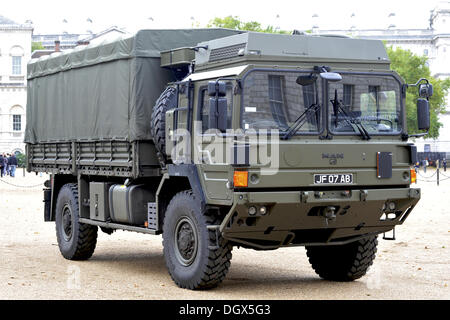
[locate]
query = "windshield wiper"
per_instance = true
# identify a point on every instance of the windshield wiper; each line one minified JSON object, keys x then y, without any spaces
{"x":337,"y":106}
{"x":300,"y":121}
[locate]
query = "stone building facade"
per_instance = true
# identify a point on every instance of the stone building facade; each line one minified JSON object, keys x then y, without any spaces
{"x":15,"y":52}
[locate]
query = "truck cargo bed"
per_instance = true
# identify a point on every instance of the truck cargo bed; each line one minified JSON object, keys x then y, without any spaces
{"x":104,"y":158}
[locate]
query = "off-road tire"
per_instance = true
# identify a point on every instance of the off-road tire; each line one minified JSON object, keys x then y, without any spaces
{"x":80,"y":245}
{"x":166,"y":101}
{"x":346,"y":262}
{"x":210,"y":265}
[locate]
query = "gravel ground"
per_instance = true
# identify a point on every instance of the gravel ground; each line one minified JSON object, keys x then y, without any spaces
{"x":128,"y":265}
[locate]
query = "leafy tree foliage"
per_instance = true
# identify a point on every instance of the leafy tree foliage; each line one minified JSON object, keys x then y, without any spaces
{"x":36,"y":46}
{"x":234,"y":22}
{"x":21,"y":158}
{"x":411,"y":68}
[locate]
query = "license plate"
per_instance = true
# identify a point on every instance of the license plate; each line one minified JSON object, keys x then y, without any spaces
{"x":341,"y":178}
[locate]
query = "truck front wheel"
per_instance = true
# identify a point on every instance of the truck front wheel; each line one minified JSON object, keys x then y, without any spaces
{"x":196,"y":256}
{"x":76,"y":240}
{"x":346,"y":262}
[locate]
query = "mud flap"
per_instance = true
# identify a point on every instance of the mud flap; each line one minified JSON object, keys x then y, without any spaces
{"x":47,"y":204}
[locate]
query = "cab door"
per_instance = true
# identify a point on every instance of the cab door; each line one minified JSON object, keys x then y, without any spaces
{"x":210,"y":148}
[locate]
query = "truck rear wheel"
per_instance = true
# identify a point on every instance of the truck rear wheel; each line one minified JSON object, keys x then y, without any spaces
{"x":196,"y":257}
{"x":167,"y":101}
{"x":346,"y":262}
{"x":76,"y":240}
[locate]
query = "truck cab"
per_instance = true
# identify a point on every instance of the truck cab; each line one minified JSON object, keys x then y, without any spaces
{"x":303,"y":138}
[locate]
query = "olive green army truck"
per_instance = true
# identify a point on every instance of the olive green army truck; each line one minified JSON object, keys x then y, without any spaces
{"x":217,"y":138}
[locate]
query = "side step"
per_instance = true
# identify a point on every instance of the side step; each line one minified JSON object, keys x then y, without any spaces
{"x":119,"y":226}
{"x":385,"y":237}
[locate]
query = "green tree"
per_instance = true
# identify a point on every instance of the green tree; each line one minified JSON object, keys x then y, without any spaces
{"x":234,"y":22}
{"x":21,"y":158}
{"x":411,"y":68}
{"x":36,"y":46}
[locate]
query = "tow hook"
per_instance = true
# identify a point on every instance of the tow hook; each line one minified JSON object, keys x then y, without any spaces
{"x":329,"y":213}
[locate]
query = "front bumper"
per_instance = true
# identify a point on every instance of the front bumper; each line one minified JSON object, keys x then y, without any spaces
{"x":300,"y":218}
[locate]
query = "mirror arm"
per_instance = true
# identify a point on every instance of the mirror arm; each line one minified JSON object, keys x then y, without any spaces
{"x":406,"y":86}
{"x":321,"y":69}
{"x":417,"y":83}
{"x":418,"y":135}
{"x":197,"y":48}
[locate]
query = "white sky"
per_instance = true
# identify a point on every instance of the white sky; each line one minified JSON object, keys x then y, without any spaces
{"x":47,"y":15}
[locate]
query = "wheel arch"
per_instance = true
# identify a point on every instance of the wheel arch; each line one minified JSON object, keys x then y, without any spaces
{"x":57,"y":182}
{"x":178,"y":178}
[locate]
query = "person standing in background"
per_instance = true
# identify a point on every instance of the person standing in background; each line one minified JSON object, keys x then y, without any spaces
{"x":1,"y":165}
{"x":5,"y":164}
{"x":12,"y":165}
{"x":425,"y":165}
{"x":444,"y":164}
{"x":8,"y":167}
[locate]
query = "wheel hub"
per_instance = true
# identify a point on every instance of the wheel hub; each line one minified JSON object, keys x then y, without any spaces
{"x":67,"y":223}
{"x":185,"y":241}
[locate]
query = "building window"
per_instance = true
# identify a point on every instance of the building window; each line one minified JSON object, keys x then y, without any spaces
{"x":348,"y":95}
{"x":373,"y":101}
{"x":17,"y":122}
{"x":308,"y":95}
{"x":276,"y":99}
{"x":16,"y":65}
{"x":309,"y":99}
{"x":425,"y":52}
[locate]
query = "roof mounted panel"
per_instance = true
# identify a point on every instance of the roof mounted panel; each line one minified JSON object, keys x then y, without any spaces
{"x":302,"y":47}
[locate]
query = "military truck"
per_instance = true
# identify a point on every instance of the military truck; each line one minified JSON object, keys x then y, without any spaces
{"x":218,"y":138}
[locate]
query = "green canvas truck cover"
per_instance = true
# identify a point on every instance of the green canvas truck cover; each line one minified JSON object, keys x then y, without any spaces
{"x":105,"y":91}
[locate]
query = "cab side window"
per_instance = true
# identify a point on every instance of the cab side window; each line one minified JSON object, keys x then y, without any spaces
{"x":204,"y":107}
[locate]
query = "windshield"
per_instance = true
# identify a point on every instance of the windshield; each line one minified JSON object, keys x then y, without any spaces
{"x":372,"y":102}
{"x":274,"y":100}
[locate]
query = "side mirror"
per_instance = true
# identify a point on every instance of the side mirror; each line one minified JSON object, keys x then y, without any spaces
{"x":218,"y":116}
{"x":219,"y":88}
{"x":331,"y":76}
{"x":423,"y":114}
{"x":426,"y":90}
